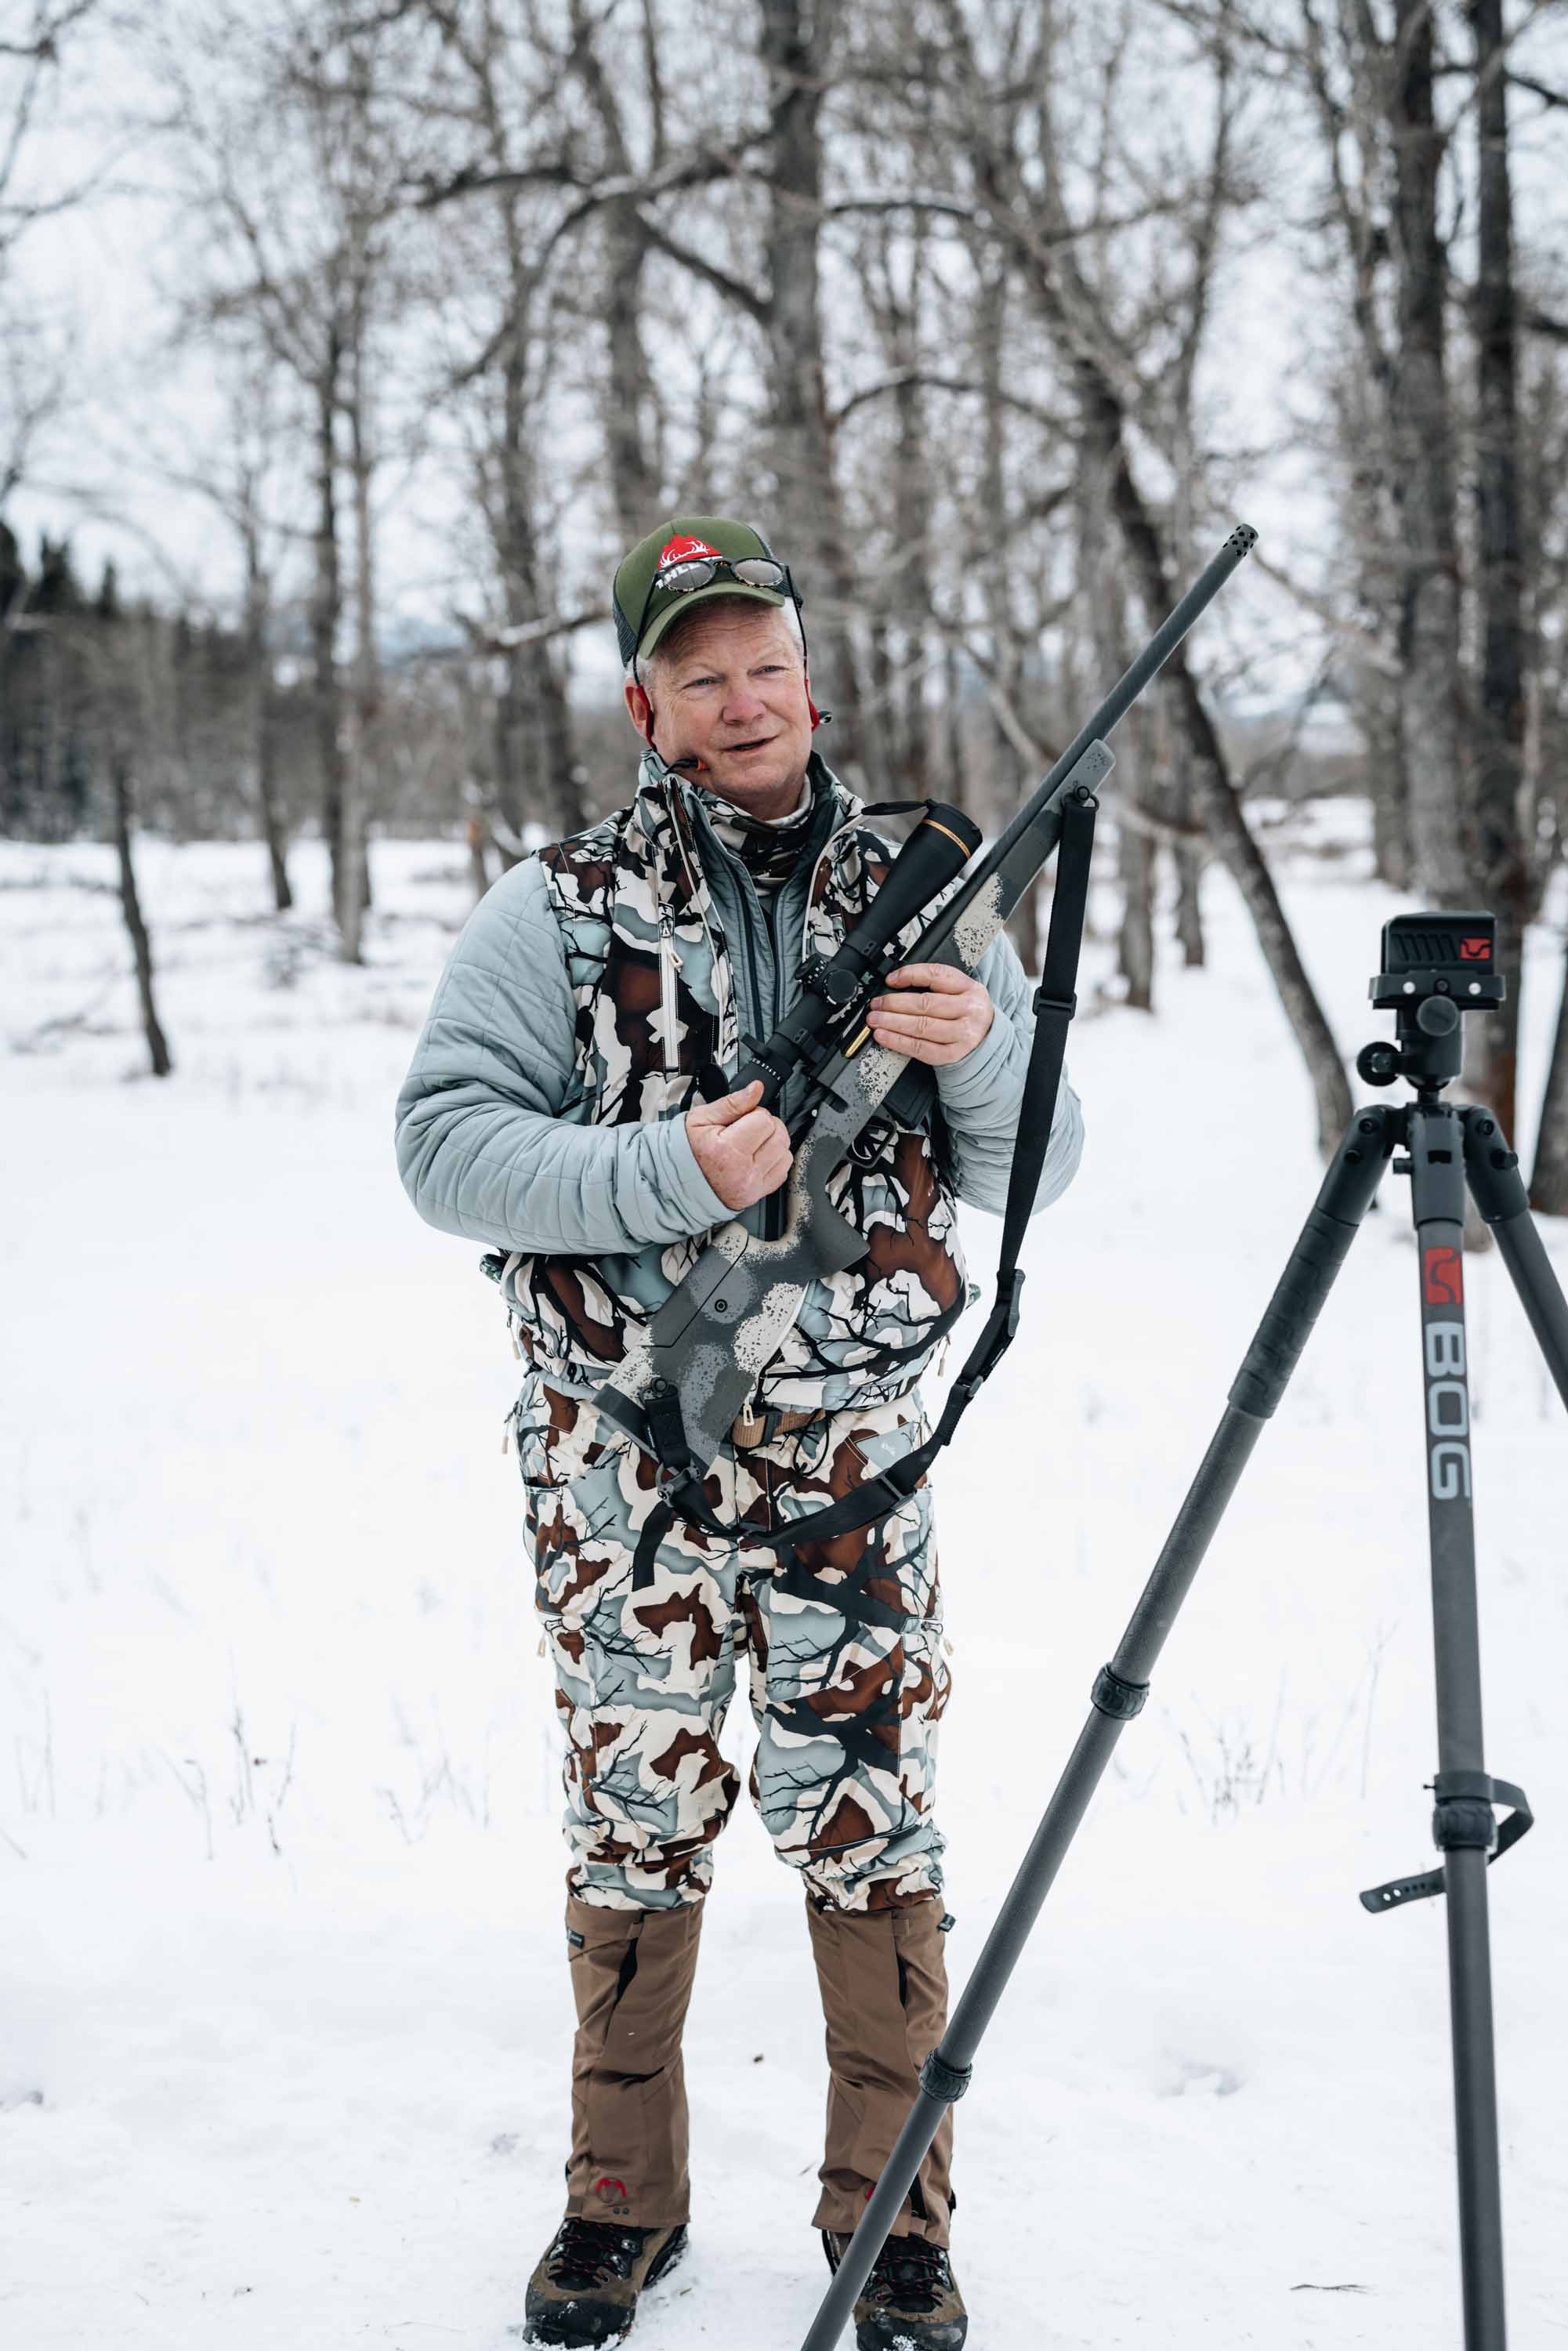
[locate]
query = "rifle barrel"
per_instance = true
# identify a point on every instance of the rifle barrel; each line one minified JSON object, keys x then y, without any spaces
{"x":1132,"y":681}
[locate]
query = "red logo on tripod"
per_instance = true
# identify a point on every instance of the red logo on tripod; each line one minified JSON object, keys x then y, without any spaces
{"x":1443,"y":1277}
{"x":1475,"y":951}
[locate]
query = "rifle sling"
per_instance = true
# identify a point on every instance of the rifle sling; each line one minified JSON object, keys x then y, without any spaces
{"x":1055,"y":1003}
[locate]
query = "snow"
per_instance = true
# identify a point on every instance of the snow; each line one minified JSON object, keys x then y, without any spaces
{"x":286,"y":2021}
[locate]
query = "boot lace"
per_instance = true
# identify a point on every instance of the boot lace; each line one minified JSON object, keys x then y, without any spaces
{"x":910,"y":2275}
{"x":586,"y":2253}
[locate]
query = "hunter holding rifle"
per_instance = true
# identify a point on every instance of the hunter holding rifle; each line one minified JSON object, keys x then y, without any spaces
{"x":569,"y":1106}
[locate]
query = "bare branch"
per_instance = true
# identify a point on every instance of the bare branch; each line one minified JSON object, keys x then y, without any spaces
{"x":918,"y":378}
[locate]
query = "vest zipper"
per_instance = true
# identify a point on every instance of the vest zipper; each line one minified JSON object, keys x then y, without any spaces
{"x":667,"y":993}
{"x":723,"y":980}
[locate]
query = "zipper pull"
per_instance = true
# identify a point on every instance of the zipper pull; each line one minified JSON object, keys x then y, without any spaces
{"x":667,"y":1012}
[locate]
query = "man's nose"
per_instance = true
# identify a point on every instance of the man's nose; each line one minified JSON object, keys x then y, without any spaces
{"x":742,"y":702}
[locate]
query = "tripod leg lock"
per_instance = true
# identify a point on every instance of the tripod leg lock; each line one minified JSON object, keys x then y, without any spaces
{"x":940,"y":2080}
{"x":1463,"y":1815}
{"x":1120,"y":1699}
{"x":1461,"y":1820}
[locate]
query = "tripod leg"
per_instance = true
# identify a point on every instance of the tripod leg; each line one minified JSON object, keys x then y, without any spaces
{"x":1464,"y":1828}
{"x":1121,"y":1687}
{"x":1497,"y":1188}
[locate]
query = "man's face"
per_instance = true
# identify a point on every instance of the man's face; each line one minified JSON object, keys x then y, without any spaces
{"x":733,"y":697}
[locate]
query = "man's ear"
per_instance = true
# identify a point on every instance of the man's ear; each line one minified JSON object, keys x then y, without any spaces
{"x":640,"y":710}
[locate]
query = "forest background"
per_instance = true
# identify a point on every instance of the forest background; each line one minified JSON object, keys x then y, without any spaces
{"x":346,"y":347}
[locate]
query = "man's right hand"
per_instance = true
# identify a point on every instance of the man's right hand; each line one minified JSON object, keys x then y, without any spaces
{"x":744,"y":1152}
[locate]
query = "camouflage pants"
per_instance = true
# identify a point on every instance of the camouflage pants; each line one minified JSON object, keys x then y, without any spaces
{"x":843,"y":1642}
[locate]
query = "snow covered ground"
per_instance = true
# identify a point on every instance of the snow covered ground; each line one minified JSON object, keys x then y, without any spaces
{"x":283,"y":2017}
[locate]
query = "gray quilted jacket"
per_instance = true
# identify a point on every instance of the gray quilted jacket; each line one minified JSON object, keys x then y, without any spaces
{"x":486,"y":1151}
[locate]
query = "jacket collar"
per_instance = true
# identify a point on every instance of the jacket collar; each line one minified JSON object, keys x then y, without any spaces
{"x":661,"y":790}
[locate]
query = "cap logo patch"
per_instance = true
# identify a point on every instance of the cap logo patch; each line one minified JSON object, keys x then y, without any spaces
{"x":681,"y":550}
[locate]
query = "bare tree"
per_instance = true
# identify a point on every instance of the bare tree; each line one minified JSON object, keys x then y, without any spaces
{"x":1508,"y":885}
{"x":1026,"y":213}
{"x":286,"y":152}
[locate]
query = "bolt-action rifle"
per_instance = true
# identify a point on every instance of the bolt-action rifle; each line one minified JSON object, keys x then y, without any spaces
{"x":679,"y":1390}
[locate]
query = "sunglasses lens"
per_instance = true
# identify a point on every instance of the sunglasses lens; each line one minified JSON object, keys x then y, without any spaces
{"x":758,"y":571}
{"x":684,"y":576}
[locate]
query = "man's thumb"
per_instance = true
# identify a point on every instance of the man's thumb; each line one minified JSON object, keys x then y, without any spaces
{"x":730,"y":1107}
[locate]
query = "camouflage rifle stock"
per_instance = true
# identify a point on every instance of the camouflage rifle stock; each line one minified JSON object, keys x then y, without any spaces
{"x":679,"y":1391}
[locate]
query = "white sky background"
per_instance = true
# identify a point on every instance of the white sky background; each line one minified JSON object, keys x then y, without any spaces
{"x":109,"y":276}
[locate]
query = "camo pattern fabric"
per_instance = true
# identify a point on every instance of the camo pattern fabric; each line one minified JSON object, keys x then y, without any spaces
{"x":846,"y":1708}
{"x":656,"y":1025}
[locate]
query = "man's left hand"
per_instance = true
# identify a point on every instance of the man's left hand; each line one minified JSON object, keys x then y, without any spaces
{"x":939,"y":1014}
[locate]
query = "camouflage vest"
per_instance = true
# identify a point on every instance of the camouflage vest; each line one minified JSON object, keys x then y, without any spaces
{"x":656,"y":1011}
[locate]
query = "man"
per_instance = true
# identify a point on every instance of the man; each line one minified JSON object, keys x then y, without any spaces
{"x":569,"y":1105}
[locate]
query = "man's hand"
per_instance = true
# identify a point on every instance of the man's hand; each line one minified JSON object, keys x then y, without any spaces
{"x":942,"y":1015}
{"x":744,"y":1152}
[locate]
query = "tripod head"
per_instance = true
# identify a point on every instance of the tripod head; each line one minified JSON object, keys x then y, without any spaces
{"x":1436,"y":968}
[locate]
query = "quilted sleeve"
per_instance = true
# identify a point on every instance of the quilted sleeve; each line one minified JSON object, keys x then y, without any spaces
{"x":481,"y":1149}
{"x":981,"y":1095}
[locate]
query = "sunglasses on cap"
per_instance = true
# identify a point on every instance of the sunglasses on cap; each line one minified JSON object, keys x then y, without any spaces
{"x":697,"y":570}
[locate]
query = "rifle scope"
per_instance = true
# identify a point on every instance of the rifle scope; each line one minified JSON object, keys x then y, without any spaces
{"x":834,"y":987}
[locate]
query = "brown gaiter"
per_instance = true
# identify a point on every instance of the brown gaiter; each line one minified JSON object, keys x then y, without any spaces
{"x":884,"y":1980}
{"x":632,"y":1975}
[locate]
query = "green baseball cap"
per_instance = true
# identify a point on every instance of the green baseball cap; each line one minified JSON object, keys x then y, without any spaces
{"x":643,"y":613}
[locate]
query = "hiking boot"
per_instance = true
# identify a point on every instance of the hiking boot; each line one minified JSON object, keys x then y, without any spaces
{"x":910,"y":2301}
{"x":586,"y":2286}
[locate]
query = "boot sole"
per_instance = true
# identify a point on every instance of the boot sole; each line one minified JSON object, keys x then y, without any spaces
{"x":893,"y":2335}
{"x":543,"y":2330}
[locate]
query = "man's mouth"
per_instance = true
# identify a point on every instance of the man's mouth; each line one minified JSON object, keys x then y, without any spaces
{"x":760,"y":743}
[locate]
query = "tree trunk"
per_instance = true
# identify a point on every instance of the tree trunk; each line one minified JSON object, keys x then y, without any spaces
{"x":1388,"y":787}
{"x":1189,"y":897}
{"x":536,"y":772}
{"x":1548,"y":1176}
{"x":367,"y":698}
{"x":911,"y":544}
{"x":326,"y":614}
{"x":1501,"y":858}
{"x":1135,"y":941}
{"x":1423,"y":426}
{"x":795,"y":43}
{"x":956,"y":780}
{"x":1100,"y":586}
{"x":630,"y":446}
{"x":880,"y":758}
{"x":478,"y":862}
{"x":1188,"y":856}
{"x":633,"y":475}
{"x":130,"y":906}
{"x":264,"y":723}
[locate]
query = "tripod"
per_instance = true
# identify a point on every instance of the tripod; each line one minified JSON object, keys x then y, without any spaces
{"x":1435,"y":968}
